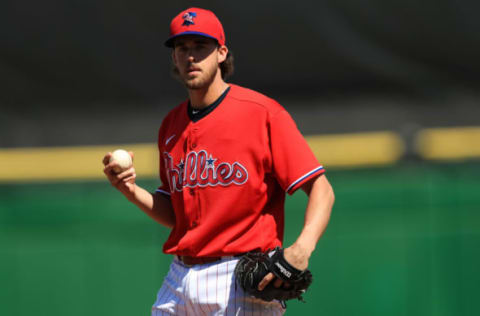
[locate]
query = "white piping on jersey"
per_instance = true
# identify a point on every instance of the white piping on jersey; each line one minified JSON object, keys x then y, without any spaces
{"x":169,"y":139}
{"x":164,"y":192}
{"x":303,"y":177}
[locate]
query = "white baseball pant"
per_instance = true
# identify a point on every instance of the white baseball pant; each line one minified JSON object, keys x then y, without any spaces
{"x":208,"y":289}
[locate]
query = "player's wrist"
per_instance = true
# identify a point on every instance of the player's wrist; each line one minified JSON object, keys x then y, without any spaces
{"x":297,"y":256}
{"x":130,"y":193}
{"x":303,"y":249}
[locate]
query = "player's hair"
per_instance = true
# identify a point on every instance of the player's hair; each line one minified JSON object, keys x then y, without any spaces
{"x":227,"y":67}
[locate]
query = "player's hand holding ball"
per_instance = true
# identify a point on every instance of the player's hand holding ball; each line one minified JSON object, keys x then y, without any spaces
{"x":120,"y":171}
{"x":123,"y":160}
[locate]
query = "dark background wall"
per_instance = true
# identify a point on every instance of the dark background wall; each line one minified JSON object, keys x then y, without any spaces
{"x":65,"y":65}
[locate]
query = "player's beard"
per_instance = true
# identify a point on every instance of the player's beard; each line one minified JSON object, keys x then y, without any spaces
{"x":206,"y":77}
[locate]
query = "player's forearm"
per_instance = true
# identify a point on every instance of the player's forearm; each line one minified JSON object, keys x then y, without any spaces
{"x":317,"y":215}
{"x":156,"y":205}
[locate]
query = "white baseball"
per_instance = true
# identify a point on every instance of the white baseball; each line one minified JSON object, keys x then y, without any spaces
{"x":123,"y":158}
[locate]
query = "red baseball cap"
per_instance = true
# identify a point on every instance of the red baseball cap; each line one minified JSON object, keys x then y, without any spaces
{"x":196,"y":21}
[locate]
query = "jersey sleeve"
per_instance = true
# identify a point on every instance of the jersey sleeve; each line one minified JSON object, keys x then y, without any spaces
{"x":293,"y":161}
{"x":164,"y":188}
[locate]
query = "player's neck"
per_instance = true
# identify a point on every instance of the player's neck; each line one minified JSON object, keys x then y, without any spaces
{"x":201,"y":98}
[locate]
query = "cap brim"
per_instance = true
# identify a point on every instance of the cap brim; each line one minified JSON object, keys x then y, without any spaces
{"x":169,"y":42}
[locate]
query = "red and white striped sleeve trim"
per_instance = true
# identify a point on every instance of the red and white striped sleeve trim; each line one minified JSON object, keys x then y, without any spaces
{"x":297,"y":183}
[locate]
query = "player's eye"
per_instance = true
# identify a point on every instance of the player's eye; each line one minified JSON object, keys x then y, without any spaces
{"x":201,"y":43}
{"x":181,"y":48}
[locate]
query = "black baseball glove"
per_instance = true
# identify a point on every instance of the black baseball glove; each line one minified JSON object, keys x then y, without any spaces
{"x":254,"y":266}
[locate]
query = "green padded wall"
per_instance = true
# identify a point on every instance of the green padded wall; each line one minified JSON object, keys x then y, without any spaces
{"x":402,"y":240}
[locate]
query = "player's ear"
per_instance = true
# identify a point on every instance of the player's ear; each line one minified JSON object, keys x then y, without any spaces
{"x":222,"y":53}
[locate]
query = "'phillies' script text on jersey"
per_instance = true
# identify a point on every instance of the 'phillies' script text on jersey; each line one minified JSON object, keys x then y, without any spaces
{"x":200,"y":169}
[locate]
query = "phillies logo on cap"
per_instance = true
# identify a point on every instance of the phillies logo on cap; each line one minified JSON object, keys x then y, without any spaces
{"x":188,"y":18}
{"x":196,"y":21}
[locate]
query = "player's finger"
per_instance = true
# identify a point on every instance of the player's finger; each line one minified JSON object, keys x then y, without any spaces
{"x":106,"y":158}
{"x":267,"y":279}
{"x":115,"y":181}
{"x":130,"y":179}
{"x":127,"y":173}
{"x":110,"y":166}
{"x":131,"y":154}
{"x":108,"y":170}
{"x":277,"y":283}
{"x":113,"y":164}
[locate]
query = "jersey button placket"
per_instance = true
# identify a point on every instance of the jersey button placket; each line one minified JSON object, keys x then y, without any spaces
{"x":192,"y":192}
{"x":193,"y":138}
{"x":195,"y":207}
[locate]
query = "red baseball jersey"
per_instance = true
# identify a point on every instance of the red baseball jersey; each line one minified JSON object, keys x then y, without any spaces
{"x":227,"y":173}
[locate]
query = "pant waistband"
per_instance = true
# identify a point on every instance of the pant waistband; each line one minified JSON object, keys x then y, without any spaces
{"x":191,"y":261}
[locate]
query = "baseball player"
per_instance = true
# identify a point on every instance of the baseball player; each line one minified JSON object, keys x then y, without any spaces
{"x":228,"y":155}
